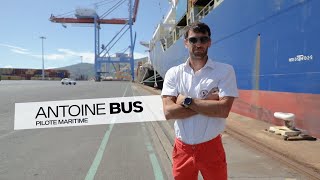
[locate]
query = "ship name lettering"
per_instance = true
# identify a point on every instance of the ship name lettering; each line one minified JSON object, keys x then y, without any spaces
{"x":301,"y":57}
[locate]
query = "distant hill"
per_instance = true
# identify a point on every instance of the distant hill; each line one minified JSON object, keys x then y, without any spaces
{"x":86,"y":70}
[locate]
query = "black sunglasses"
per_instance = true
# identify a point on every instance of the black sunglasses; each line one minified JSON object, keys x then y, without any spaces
{"x":202,"y":39}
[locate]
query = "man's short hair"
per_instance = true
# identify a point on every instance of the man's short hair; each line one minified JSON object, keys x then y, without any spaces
{"x":197,"y":27}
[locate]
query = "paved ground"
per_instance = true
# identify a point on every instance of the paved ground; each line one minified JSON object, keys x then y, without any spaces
{"x":300,"y":154}
{"x":249,"y":157}
{"x":119,"y":151}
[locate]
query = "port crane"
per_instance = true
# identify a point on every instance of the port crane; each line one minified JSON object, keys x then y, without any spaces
{"x":88,"y":16}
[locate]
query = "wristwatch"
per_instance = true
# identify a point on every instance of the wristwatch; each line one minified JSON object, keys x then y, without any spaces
{"x":187,"y":101}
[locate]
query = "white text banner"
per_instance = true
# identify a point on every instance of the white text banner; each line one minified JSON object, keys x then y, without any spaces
{"x":67,"y":113}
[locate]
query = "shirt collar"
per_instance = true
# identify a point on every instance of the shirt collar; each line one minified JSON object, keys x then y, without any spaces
{"x":210,"y":64}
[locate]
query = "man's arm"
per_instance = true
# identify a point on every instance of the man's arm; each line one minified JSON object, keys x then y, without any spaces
{"x":175,"y":111}
{"x":211,"y":108}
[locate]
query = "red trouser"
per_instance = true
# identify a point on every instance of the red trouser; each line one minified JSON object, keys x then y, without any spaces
{"x":209,"y":158}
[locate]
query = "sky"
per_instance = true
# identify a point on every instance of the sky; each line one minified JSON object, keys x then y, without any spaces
{"x":24,"y":22}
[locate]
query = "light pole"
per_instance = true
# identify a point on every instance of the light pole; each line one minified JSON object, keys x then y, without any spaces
{"x":42,"y":38}
{"x":80,"y":78}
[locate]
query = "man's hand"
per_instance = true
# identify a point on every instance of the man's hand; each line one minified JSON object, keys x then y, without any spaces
{"x":180,"y":99}
{"x":212,"y":96}
{"x":173,"y":110}
{"x":213,"y":108}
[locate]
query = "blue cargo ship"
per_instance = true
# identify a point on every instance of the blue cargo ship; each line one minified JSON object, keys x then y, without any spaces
{"x":272,"y":45}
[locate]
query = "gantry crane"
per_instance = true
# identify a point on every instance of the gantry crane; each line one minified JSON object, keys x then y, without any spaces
{"x":100,"y":55}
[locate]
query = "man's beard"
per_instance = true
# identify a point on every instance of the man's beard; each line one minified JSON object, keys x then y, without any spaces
{"x":199,"y":55}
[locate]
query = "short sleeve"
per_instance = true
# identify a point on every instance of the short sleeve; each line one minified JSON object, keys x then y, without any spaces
{"x":170,"y":83}
{"x":228,"y":83}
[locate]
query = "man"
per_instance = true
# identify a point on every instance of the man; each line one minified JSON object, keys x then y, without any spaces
{"x":199,"y":95}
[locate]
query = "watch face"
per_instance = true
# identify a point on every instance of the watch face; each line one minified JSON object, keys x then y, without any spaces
{"x":187,"y":101}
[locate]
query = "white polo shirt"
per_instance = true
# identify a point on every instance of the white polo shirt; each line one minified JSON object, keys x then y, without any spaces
{"x":183,"y":80}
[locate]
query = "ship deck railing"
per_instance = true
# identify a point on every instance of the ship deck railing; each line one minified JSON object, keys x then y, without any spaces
{"x":179,"y":31}
{"x":206,"y":9}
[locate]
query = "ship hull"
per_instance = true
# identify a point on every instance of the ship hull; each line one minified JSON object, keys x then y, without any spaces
{"x":261,"y":105}
{"x":273,"y":47}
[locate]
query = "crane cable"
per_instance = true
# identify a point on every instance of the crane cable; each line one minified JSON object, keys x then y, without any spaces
{"x":112,"y":8}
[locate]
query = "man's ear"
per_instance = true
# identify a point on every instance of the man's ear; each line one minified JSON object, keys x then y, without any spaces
{"x":186,"y":43}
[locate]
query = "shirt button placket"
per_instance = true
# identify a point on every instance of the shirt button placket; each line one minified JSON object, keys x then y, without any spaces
{"x":192,"y":127}
{"x":193,"y":87}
